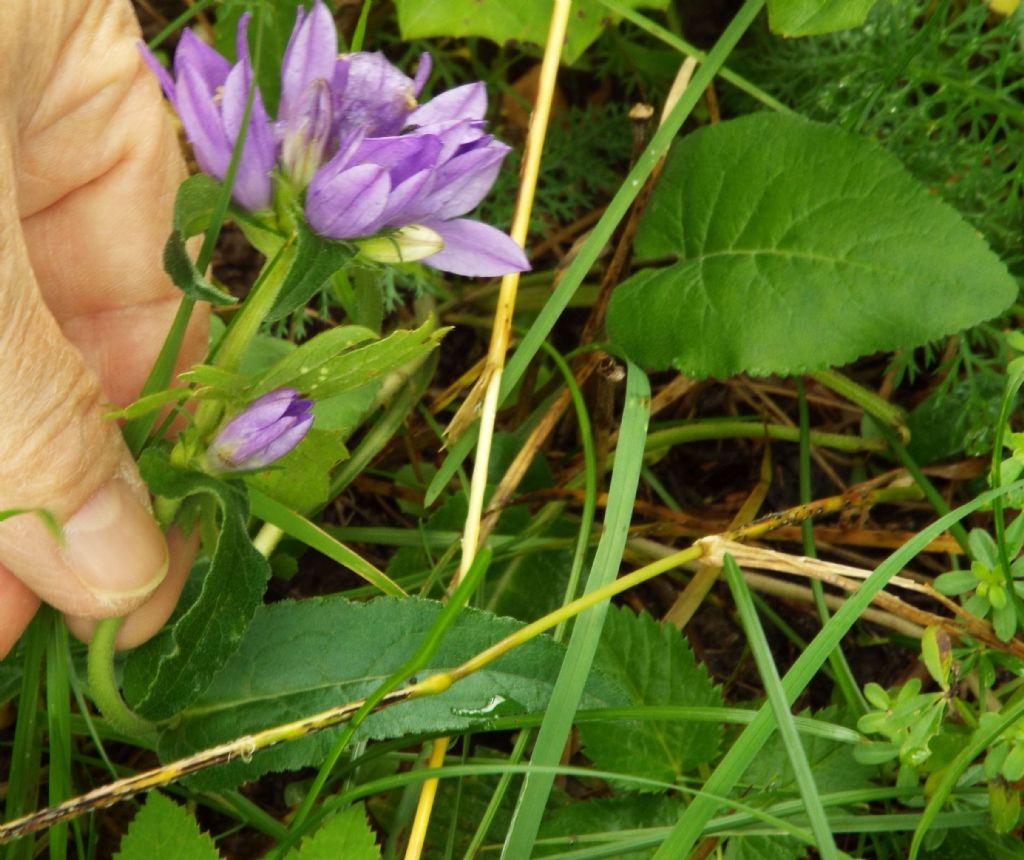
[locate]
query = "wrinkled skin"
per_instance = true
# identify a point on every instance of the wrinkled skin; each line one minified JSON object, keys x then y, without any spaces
{"x":89,"y":165}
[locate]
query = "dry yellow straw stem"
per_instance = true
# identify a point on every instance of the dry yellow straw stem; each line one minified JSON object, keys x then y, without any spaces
{"x":489,"y":384}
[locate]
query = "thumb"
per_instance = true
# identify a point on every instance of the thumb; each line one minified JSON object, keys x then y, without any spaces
{"x":57,"y":452}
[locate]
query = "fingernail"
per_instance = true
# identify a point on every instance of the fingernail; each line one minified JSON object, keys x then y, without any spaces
{"x":114,"y":546}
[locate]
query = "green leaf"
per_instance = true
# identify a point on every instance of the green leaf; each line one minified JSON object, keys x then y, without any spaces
{"x":834,"y":764}
{"x":607,"y":816}
{"x":316,"y":259}
{"x":655,"y":664}
{"x":346,"y":835}
{"x":975,"y":843}
{"x":195,"y":203}
{"x":172,"y":669}
{"x":524,"y":21}
{"x":186,"y":276}
{"x":955,"y":582}
{"x":165,"y":830}
{"x":340,"y":360}
{"x":814,"y":17}
{"x":765,"y":848}
{"x":302,"y":479}
{"x":300,"y":658}
{"x":796,"y":246}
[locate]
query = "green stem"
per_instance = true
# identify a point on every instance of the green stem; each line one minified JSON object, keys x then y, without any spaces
{"x":877,"y":407}
{"x":103,"y":682}
{"x":228,"y":353}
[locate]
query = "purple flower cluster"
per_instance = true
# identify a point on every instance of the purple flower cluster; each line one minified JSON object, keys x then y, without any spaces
{"x":269,"y":428}
{"x":349,"y":131}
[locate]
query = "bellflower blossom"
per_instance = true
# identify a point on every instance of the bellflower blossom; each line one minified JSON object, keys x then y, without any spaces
{"x":376,"y":167}
{"x":270,"y":427}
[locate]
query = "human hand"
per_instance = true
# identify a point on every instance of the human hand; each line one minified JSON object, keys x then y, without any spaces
{"x":89,"y":165}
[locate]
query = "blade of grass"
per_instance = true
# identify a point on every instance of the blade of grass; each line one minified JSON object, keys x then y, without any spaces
{"x":769,"y":673}
{"x":300,"y":528}
{"x":23,"y":779}
{"x":586,"y":434}
{"x":603,"y":231}
{"x":58,"y":724}
{"x":691,"y":824}
{"x":572,"y":677}
{"x":837,"y":659}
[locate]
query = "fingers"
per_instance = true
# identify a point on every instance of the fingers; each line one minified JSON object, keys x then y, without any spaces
{"x":17,"y":606}
{"x":141,"y":624}
{"x":88,"y":169}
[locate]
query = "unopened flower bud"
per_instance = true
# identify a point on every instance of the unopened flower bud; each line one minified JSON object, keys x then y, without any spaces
{"x":405,"y":245}
{"x":269,"y":428}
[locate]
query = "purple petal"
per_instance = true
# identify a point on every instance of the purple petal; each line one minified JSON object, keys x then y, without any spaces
{"x":403,"y":200}
{"x":466,"y":102}
{"x":401,"y":156}
{"x":475,"y":249}
{"x":464,"y":181}
{"x":203,"y":125}
{"x":454,"y":136}
{"x":311,"y":54}
{"x":377,"y":97}
{"x":284,"y":443}
{"x":343,"y":204}
{"x":252,"y":188}
{"x":193,"y":53}
{"x":423,"y":70}
{"x":166,"y":81}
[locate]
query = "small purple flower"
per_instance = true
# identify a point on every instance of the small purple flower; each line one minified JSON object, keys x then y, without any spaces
{"x":210,"y":96}
{"x":269,"y":428}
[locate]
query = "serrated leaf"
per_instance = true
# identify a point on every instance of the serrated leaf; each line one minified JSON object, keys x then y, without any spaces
{"x":162,"y":676}
{"x":300,"y":658}
{"x":186,"y":276}
{"x":834,"y":765}
{"x":302,"y":479}
{"x":340,"y":360}
{"x":654,"y":663}
{"x":524,"y":21}
{"x":814,"y":17}
{"x":606,"y":816}
{"x":315,"y":260}
{"x":346,"y":835}
{"x":765,"y":848}
{"x":797,"y":247}
{"x":163,"y":829}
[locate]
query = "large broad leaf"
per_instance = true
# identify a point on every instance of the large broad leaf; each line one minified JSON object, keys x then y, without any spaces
{"x":794,"y":246}
{"x":655,"y":664}
{"x":813,"y":17}
{"x":164,"y":829}
{"x":501,"y":21}
{"x":166,"y":673}
{"x":300,"y":658}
